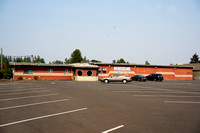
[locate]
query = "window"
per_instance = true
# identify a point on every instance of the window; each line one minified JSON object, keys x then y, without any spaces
{"x":89,"y":73}
{"x":79,"y":73}
{"x":50,"y":70}
{"x":67,"y":71}
{"x":114,"y":76}
{"x":28,"y":72}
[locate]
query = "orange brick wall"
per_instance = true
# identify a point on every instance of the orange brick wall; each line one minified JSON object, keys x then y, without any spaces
{"x":169,"y":73}
{"x":59,"y":73}
{"x":42,"y":73}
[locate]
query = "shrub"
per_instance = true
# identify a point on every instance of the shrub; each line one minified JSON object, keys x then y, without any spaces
{"x":20,"y":78}
{"x":36,"y":77}
{"x":7,"y":73}
{"x":1,"y":74}
{"x":6,"y":76}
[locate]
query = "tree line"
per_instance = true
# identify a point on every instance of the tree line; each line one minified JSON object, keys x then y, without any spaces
{"x":25,"y":59}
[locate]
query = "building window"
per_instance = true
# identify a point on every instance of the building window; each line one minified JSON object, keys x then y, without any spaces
{"x":50,"y":70}
{"x":89,"y":73}
{"x":67,"y":71}
{"x":104,"y":69}
{"x":79,"y":73}
{"x":28,"y":72}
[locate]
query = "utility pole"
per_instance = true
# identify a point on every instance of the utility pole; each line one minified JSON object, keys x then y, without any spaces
{"x":1,"y":59}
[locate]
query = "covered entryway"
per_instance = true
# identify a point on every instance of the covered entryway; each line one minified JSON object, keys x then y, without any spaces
{"x":85,"y":72}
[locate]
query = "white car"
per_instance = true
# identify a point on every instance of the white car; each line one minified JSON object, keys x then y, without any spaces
{"x":116,"y":78}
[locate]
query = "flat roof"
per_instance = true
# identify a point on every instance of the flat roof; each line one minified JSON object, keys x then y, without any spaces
{"x":95,"y":65}
{"x":128,"y":64}
{"x":196,"y":66}
{"x":37,"y":64}
{"x":74,"y":65}
{"x":84,"y":65}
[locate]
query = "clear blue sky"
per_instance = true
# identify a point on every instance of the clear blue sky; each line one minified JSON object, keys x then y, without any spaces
{"x":160,"y":31}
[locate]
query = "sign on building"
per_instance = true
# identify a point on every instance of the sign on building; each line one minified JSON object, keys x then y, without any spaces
{"x":122,"y":68}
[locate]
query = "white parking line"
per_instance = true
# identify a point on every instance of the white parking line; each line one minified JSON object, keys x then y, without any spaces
{"x":17,"y":88}
{"x":8,"y":99}
{"x":41,"y":117}
{"x":32,"y":104}
{"x":182,"y":102}
{"x":162,"y":96}
{"x":4,"y":84}
{"x":24,"y":92}
{"x":107,"y":131}
{"x":156,"y":91}
{"x":127,"y":91}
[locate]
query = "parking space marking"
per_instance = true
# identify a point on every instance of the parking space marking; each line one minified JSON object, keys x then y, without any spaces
{"x":139,"y":90}
{"x":24,"y":92}
{"x":4,"y":84}
{"x":17,"y":98}
{"x":21,"y":87}
{"x":163,"y":96}
{"x":15,"y":90}
{"x":41,"y":117}
{"x":127,"y":91}
{"x":147,"y":91}
{"x":115,"y":128}
{"x":32,"y":104}
{"x":193,"y":102}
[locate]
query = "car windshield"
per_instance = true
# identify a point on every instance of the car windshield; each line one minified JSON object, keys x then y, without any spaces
{"x":113,"y":76}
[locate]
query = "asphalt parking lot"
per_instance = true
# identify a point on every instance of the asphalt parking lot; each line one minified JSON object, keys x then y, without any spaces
{"x":95,"y":107}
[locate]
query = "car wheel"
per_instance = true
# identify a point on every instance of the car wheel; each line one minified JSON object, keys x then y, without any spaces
{"x":124,"y":81}
{"x":106,"y":81}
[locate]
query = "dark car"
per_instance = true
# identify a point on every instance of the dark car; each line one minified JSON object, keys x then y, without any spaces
{"x":139,"y":78}
{"x":157,"y":77}
{"x":116,"y":78}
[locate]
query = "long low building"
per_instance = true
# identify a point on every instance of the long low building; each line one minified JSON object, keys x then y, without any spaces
{"x":95,"y":71}
{"x":169,"y":72}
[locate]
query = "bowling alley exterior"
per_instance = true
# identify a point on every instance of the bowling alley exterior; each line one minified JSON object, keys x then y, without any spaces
{"x":95,"y":71}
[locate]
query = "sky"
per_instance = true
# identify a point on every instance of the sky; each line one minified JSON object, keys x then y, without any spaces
{"x":158,"y":31}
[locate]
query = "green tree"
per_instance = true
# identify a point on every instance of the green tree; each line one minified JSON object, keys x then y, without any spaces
{"x":27,"y":59}
{"x":7,"y":71}
{"x":147,"y":63}
{"x":114,"y":61}
{"x":19,"y":59}
{"x":95,"y":61}
{"x":1,"y":74}
{"x":38,"y":59}
{"x":67,"y":61}
{"x":9,"y":58}
{"x":121,"y":61}
{"x":85,"y":60}
{"x":194,"y":59}
{"x":56,"y":62}
{"x":76,"y":56}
